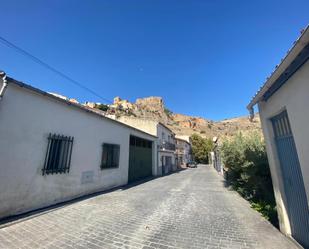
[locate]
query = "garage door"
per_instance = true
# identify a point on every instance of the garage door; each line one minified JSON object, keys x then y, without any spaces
{"x":140,"y":161}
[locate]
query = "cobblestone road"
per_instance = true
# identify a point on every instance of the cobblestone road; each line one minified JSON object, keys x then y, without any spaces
{"x":189,"y":209}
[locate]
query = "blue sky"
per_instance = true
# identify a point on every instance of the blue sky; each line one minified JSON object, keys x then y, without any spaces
{"x":205,"y":58}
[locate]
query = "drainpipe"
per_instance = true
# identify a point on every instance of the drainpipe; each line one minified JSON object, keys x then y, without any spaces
{"x":251,"y":111}
{"x":158,"y":162}
{"x":5,"y":84}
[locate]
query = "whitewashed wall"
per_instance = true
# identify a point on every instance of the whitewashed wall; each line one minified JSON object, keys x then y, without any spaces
{"x":187,"y":153}
{"x":165,"y":153}
{"x":146,"y":125}
{"x":167,"y":133}
{"x":26,"y":119}
{"x":294,"y":97}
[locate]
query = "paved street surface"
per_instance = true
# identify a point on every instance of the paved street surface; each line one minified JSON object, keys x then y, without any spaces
{"x":189,"y":209}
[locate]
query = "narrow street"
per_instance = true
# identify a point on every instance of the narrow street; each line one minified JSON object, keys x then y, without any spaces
{"x":189,"y":209}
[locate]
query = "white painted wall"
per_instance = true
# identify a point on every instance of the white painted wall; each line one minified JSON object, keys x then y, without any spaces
{"x":294,"y":97}
{"x":187,"y":153}
{"x":146,"y":125}
{"x":26,"y":119}
{"x":184,"y":149}
{"x":165,"y":135}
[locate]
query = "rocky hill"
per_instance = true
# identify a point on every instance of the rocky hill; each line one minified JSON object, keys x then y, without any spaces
{"x":153,"y":108}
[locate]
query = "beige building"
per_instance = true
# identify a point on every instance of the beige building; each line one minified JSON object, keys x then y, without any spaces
{"x":166,"y":141}
{"x":53,"y":150}
{"x":283,"y":103}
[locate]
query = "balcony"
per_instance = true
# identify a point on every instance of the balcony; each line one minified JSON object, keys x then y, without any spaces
{"x":167,"y":146}
{"x":180,"y":150}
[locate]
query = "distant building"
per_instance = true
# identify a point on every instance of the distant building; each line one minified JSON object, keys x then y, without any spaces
{"x":283,"y":103}
{"x":53,"y":149}
{"x":121,"y":104}
{"x":183,"y":152}
{"x":214,"y":157}
{"x":184,"y":137}
{"x":91,"y":104}
{"x":166,"y":141}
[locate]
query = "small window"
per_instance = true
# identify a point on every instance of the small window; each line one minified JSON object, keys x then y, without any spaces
{"x":110,"y":156}
{"x":58,"y":155}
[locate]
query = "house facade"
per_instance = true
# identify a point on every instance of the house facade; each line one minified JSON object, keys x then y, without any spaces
{"x":183,"y":152}
{"x":53,"y":150}
{"x":166,"y":149}
{"x":214,"y":156}
{"x":283,"y":103}
{"x":166,"y":141}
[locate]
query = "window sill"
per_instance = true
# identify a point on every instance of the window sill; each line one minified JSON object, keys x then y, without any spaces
{"x":105,"y":168}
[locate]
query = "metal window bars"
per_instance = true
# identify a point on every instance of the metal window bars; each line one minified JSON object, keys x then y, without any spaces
{"x":110,"y":156}
{"x":58,"y":155}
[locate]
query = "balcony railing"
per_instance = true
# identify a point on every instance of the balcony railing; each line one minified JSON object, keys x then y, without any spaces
{"x":167,"y":146}
{"x":180,"y":151}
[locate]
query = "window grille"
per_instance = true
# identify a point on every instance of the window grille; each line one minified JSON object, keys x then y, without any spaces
{"x":110,"y":156}
{"x":58,"y":155}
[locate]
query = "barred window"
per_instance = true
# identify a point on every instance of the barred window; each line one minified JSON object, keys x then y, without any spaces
{"x":58,"y":155}
{"x":110,"y":156}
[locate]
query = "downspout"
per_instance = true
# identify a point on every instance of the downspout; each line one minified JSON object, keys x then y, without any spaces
{"x":158,"y":160}
{"x":4,"y":86}
{"x":251,"y":113}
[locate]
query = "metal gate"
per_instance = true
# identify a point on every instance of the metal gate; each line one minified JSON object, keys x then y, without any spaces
{"x":140,"y":159}
{"x":297,"y":204}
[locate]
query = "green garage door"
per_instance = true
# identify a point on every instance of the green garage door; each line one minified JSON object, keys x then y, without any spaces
{"x":140,"y":161}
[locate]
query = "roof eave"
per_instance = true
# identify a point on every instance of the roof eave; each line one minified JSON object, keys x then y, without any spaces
{"x":84,"y":108}
{"x":299,"y":44}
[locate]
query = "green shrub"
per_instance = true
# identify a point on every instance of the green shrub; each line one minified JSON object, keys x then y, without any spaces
{"x":268,"y":211}
{"x":248,"y":172}
{"x":102,"y":107}
{"x":168,"y":112}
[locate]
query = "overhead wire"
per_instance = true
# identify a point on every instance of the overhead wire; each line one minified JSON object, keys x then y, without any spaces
{"x":51,"y":68}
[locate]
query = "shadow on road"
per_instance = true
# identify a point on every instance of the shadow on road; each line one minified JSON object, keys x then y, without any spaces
{"x":7,"y":221}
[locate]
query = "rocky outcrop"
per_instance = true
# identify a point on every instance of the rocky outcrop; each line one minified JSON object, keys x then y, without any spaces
{"x":152,"y":108}
{"x":190,"y":122}
{"x":152,"y":104}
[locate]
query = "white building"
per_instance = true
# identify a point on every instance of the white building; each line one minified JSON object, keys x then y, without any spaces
{"x":283,"y":104}
{"x":183,"y":152}
{"x":166,"y":141}
{"x":53,"y":150}
{"x":166,"y":149}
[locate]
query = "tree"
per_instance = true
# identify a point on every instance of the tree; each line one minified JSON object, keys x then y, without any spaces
{"x":102,"y":107}
{"x":201,"y":148}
